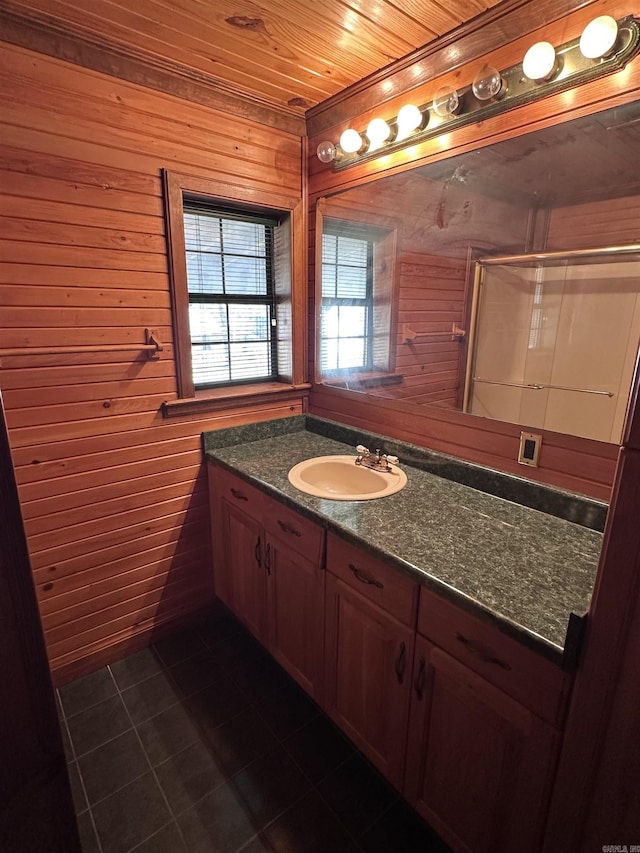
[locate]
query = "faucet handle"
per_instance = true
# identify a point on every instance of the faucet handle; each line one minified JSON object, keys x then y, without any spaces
{"x":393,"y":460}
{"x":362,"y":449}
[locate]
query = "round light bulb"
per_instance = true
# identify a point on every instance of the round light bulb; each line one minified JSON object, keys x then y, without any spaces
{"x":326,"y":151}
{"x":378,"y":131}
{"x":446,"y":101}
{"x":409,"y":119}
{"x":350,"y":141}
{"x":539,"y":61}
{"x":487,"y":83}
{"x":599,"y":37}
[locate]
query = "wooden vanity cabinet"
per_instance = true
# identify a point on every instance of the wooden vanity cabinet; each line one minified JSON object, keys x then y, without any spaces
{"x":480,"y":762}
{"x":238,"y":545}
{"x":268,"y":569}
{"x":463,"y":720}
{"x":296,"y":617}
{"x":370,"y":634}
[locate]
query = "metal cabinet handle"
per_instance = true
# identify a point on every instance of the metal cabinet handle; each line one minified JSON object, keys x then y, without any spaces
{"x":267,"y":558}
{"x":238,"y":495}
{"x":401,"y":663}
{"x":364,"y":578}
{"x":420,"y":679}
{"x":258,"y":552}
{"x":481,"y":653}
{"x":286,"y":528}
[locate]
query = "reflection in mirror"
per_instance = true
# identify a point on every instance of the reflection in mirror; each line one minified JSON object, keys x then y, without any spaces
{"x":536,"y":325}
{"x":400,"y":256}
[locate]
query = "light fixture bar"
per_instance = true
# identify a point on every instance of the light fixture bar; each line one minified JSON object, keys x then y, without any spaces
{"x":573,"y":69}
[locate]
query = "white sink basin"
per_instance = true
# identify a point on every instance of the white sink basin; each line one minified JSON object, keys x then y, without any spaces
{"x":340,"y":479}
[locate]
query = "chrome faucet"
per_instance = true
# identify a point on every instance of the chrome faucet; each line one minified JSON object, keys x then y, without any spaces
{"x":375,"y":461}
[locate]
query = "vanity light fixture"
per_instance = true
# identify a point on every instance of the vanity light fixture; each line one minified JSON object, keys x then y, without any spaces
{"x":351,"y":141}
{"x":605,"y":46}
{"x":378,"y":132}
{"x":410,"y":118}
{"x":326,"y":151}
{"x":540,"y":62}
{"x":446,"y":102}
{"x":599,"y":37}
{"x":488,"y":84}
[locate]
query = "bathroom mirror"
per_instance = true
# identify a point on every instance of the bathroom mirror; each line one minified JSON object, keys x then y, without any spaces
{"x":472,"y":284}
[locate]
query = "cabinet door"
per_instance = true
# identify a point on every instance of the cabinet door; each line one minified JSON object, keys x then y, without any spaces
{"x":243,"y":543}
{"x":295,"y":614}
{"x":368,"y":657}
{"x":479,"y":764}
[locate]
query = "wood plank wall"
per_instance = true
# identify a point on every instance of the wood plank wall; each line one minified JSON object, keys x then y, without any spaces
{"x":585,"y":226}
{"x":429,"y":365}
{"x":114,"y":497}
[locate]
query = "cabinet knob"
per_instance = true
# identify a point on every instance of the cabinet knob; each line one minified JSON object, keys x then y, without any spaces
{"x":258,"y":551}
{"x":238,"y":495}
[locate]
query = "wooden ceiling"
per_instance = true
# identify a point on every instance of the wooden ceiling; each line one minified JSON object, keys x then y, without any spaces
{"x":289,"y":54}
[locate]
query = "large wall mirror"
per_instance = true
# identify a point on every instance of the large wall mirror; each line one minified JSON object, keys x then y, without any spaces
{"x":504,"y":282}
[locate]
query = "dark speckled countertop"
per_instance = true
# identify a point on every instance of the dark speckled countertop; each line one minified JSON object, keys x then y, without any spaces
{"x":521,"y":568}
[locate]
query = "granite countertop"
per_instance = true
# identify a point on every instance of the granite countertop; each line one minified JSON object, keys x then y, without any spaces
{"x":520,"y":568}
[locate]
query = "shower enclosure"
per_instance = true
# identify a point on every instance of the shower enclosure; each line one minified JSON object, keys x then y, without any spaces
{"x":555,"y":340}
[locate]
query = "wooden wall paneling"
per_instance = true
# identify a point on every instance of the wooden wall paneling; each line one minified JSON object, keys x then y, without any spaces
{"x":603,"y":223}
{"x":113,"y":130}
{"x":167,"y":556}
{"x":72,"y":591}
{"x":421,"y":307}
{"x":615,"y":599}
{"x":113,"y":494}
{"x":49,"y":36}
{"x":100,"y":546}
{"x":36,"y":808}
{"x":179,"y":461}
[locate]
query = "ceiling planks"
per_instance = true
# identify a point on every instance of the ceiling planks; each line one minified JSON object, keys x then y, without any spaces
{"x":290,"y":54}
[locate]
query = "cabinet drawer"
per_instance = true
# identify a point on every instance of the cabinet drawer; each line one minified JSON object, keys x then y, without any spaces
{"x":238,"y":492}
{"x":372,"y":578}
{"x":530,"y":678}
{"x":299,"y":533}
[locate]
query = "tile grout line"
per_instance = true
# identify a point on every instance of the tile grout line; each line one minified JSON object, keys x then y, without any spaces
{"x":280,"y":740}
{"x":152,"y":769}
{"x":80,"y":776}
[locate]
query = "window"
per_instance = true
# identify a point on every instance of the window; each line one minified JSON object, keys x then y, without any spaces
{"x":347,"y":302}
{"x":230,"y":282}
{"x":357,"y":286}
{"x":233,"y":256}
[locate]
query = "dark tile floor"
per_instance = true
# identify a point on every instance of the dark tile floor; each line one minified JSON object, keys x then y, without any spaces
{"x":203,"y":744}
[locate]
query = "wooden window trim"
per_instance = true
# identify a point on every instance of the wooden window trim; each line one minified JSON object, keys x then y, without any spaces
{"x":235,"y":396}
{"x":176,"y":189}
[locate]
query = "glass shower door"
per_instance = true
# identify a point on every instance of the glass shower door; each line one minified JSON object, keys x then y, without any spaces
{"x":555,"y":343}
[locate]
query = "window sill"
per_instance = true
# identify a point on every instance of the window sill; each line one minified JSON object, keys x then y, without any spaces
{"x":216,"y":399}
{"x":364,"y":380}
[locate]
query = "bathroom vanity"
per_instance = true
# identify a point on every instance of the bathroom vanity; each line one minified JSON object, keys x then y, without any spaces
{"x":430,"y":625}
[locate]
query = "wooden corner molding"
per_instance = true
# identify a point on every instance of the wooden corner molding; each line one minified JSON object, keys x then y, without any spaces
{"x":45,"y":34}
